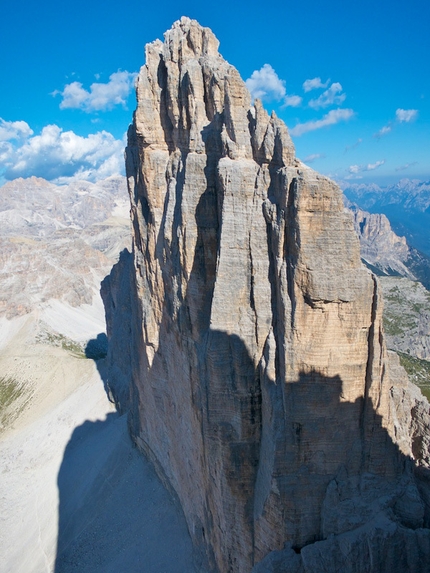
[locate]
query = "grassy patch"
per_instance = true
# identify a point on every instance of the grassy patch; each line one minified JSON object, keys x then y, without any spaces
{"x":418,"y":371}
{"x":392,"y":325}
{"x":418,"y":308}
{"x":10,"y":390}
{"x":396,"y":324}
{"x":61,"y":341}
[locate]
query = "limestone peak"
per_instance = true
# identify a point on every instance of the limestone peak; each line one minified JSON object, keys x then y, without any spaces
{"x":246,"y":335}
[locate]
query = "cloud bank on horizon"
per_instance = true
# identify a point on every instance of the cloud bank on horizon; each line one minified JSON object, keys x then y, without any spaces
{"x":62,"y":156}
{"x":57,"y":155}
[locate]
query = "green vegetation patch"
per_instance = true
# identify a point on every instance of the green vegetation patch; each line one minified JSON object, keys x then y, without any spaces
{"x":10,"y":390}
{"x":418,"y":371}
{"x":14,"y":396}
{"x":61,"y":341}
{"x":396,"y":324}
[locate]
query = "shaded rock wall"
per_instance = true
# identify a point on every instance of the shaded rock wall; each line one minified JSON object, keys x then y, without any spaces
{"x":258,"y":368}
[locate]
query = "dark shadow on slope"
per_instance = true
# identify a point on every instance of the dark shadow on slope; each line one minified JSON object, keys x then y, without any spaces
{"x":96,"y":349}
{"x":363,"y":495}
{"x":114,"y":514}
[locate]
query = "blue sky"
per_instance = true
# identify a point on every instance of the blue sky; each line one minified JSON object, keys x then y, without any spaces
{"x":350,"y":79}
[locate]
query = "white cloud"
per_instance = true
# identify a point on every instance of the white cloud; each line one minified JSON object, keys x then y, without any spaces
{"x":383,"y":131}
{"x":100,"y":97}
{"x":10,"y":130}
{"x":265,"y":84}
{"x":292,"y":101}
{"x":406,"y":115}
{"x":63,"y":155}
{"x":352,"y":176}
{"x":355,"y":169}
{"x":402,"y":116}
{"x":313,"y":157}
{"x":406,"y":166}
{"x":314,"y":84}
{"x":372,"y":166}
{"x":332,"y":117}
{"x":354,"y":145}
{"x":332,"y":96}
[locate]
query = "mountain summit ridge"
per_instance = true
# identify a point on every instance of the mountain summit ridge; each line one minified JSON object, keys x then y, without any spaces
{"x":252,"y":336}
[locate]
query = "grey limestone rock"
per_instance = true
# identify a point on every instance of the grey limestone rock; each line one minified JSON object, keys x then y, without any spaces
{"x":259,"y":378}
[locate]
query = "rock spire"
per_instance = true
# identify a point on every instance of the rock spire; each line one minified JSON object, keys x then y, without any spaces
{"x":251,"y":334}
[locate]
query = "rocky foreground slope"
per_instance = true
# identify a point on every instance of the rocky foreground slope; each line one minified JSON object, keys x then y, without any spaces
{"x":260,"y":382}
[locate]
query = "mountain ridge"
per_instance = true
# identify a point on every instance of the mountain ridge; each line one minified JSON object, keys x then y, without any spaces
{"x":406,"y":204}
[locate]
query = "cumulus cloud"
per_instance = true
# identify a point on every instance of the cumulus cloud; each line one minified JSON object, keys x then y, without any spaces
{"x":332,"y":117}
{"x":332,"y":96}
{"x":292,"y":101}
{"x":265,"y":84}
{"x":406,"y":115}
{"x":355,"y":169}
{"x":57,"y":155}
{"x":314,"y":84}
{"x":100,"y":97}
{"x":10,"y":130}
{"x":313,"y":157}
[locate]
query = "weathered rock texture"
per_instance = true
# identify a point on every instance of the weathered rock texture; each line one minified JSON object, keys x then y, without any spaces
{"x":259,"y":374}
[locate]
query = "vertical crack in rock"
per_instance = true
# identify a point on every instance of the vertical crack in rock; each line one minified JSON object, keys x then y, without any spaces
{"x":250,"y":333}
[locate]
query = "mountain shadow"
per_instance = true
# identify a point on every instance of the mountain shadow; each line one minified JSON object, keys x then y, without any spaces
{"x":114,"y":513}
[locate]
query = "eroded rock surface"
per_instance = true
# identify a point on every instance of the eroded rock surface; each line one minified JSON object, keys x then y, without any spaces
{"x":252,"y":332}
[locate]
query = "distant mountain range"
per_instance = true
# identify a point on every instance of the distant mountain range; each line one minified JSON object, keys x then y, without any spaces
{"x":384,"y":252}
{"x":58,"y":242}
{"x":406,"y":204}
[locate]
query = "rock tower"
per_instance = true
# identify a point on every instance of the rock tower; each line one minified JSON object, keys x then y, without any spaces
{"x":251,"y":336}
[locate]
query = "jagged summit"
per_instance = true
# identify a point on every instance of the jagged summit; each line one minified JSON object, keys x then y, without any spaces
{"x":246,"y":337}
{"x":187,"y":93}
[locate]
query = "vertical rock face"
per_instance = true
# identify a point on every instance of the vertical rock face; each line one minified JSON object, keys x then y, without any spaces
{"x":259,"y":382}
